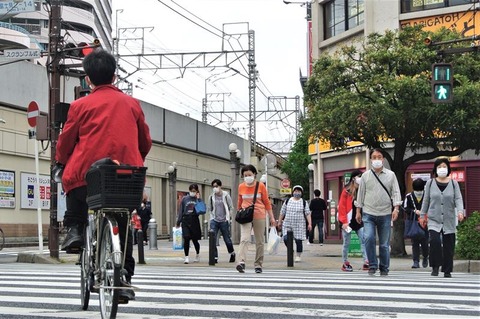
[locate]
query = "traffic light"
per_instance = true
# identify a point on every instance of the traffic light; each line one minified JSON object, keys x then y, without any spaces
{"x":81,"y":49}
{"x":442,"y":83}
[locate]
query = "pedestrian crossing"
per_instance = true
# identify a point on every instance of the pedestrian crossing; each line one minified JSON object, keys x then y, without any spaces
{"x":52,"y":291}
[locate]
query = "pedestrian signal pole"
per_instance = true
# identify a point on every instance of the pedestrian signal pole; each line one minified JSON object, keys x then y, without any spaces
{"x":442,"y":83}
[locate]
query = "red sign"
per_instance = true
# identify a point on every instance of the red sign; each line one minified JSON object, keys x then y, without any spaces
{"x":32,"y":113}
{"x":285,"y":183}
{"x":459,"y":176}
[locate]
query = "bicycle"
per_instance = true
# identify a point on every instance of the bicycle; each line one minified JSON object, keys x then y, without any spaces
{"x":2,"y":239}
{"x":112,"y":192}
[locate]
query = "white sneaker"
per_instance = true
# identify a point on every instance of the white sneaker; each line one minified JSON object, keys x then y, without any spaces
{"x":186,"y":260}
{"x":298,"y":259}
{"x":308,"y":243}
{"x":197,"y":258}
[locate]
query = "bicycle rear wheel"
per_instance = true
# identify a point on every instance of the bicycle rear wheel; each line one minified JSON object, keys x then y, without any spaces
{"x":2,"y":239}
{"x":109,"y":274}
{"x":85,"y":270}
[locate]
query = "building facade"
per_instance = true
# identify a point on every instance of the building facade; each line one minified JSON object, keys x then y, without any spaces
{"x":339,"y":22}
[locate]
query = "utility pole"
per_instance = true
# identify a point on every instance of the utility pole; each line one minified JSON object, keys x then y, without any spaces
{"x":55,"y":49}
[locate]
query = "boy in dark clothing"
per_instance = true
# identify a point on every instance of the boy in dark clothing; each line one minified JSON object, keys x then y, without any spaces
{"x":317,"y":207}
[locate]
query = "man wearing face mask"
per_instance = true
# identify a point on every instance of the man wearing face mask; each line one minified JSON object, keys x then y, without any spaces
{"x":220,"y":206}
{"x":412,"y":204}
{"x":377,"y":193}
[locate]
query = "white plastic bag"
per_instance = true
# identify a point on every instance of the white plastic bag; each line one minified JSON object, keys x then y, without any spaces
{"x":177,"y":238}
{"x":273,"y":241}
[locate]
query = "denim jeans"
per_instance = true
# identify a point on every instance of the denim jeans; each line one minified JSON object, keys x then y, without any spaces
{"x":319,"y":224}
{"x":346,"y":243}
{"x":382,"y":225}
{"x":223,"y":227}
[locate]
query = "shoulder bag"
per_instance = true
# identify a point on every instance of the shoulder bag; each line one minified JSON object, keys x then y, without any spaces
{"x":200,"y":207}
{"x":412,"y":227}
{"x":245,"y":215}
{"x":378,"y":179}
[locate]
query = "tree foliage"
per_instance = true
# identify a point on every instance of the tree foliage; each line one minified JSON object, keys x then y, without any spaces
{"x":296,"y":165}
{"x":378,"y":91}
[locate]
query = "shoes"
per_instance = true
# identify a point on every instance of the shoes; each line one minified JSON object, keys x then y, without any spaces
{"x":347,"y":267}
{"x":74,"y":240}
{"x":371,"y":272}
{"x":321,"y":244}
{"x":366,"y":266}
{"x":416,"y":264}
{"x":232,"y":257}
{"x":241,"y":268}
{"x":434,"y":271}
{"x":186,"y":260}
{"x":298,"y":259}
{"x":258,"y":270}
{"x":447,"y":275}
{"x":425,"y":263}
{"x":125,"y":295}
{"x":383,"y":273}
{"x":197,"y":258}
{"x":309,"y":243}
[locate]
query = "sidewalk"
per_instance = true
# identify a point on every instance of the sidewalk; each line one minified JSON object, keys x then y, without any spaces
{"x":314,"y":257}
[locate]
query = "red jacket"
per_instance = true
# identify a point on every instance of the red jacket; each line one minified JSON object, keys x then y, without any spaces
{"x":345,"y":206}
{"x":106,"y":123}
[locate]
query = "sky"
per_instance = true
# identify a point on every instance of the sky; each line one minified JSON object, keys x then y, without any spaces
{"x":280,"y":54}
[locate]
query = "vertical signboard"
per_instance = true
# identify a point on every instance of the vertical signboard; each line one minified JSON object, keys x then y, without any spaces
{"x":7,"y":189}
{"x":28,"y":195}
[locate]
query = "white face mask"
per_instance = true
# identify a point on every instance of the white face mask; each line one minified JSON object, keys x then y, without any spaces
{"x":442,"y":171}
{"x":249,"y":179}
{"x":216,"y":189}
{"x":418,"y":194}
{"x":357,"y":180}
{"x":193,"y":194}
{"x":377,"y":163}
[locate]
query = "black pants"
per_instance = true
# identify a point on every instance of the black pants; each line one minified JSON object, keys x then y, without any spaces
{"x":186,"y":245}
{"x":417,"y":244}
{"x":77,"y":215}
{"x":442,"y":248}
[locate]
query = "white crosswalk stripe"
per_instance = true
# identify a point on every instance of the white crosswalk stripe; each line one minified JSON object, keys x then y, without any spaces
{"x":52,"y":291}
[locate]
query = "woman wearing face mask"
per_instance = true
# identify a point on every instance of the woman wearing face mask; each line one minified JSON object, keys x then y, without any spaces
{"x":412,"y":204}
{"x":190,"y":222}
{"x":346,"y":216}
{"x":443,"y":205}
{"x":294,"y":214}
{"x":262,"y":207}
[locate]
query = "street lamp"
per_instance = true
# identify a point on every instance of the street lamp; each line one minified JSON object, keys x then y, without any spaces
{"x":172,"y":184}
{"x":235,"y":155}
{"x":311,"y":168}
{"x":2,"y":121}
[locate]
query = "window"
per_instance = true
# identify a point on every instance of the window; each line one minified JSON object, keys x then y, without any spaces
{"x":420,"y":5}
{"x":342,"y":15}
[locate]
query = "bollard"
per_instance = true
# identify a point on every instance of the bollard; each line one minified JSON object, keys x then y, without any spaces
{"x":211,"y":247}
{"x":290,"y":248}
{"x":152,"y":234}
{"x":141,"y":256}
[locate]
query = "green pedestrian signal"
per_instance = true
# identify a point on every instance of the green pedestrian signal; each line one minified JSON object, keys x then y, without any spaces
{"x":442,"y":83}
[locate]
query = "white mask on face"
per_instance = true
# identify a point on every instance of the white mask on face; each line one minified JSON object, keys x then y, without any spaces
{"x":357,"y":180}
{"x":377,"y":163}
{"x":442,"y":171}
{"x":418,"y":194}
{"x":249,"y":179}
{"x":193,"y":194}
{"x":216,"y":189}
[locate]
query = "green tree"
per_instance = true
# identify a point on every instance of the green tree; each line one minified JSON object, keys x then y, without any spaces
{"x":296,"y":165}
{"x":378,"y":91}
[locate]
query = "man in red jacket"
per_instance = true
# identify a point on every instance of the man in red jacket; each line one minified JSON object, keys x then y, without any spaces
{"x":105,"y":123}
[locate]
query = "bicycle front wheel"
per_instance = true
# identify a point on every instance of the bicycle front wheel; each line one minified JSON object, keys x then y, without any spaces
{"x":109,"y":274}
{"x":2,"y":239}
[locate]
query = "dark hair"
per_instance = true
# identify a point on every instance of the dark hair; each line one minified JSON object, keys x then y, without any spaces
{"x":193,"y":187}
{"x":317,"y":193}
{"x":354,"y":174}
{"x":217,"y":181}
{"x":250,"y":168}
{"x":377,"y":149}
{"x":418,"y":184}
{"x":438,"y":162}
{"x":100,"y":67}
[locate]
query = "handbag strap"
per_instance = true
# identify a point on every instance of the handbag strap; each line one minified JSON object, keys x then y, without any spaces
{"x":255,"y":195}
{"x":378,"y":179}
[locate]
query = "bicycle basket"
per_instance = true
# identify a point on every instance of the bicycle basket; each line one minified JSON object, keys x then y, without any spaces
{"x":115,"y":186}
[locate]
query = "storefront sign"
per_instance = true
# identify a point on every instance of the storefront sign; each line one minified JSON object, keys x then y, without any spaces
{"x":28,"y":183}
{"x":7,"y":189}
{"x":459,"y":176}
